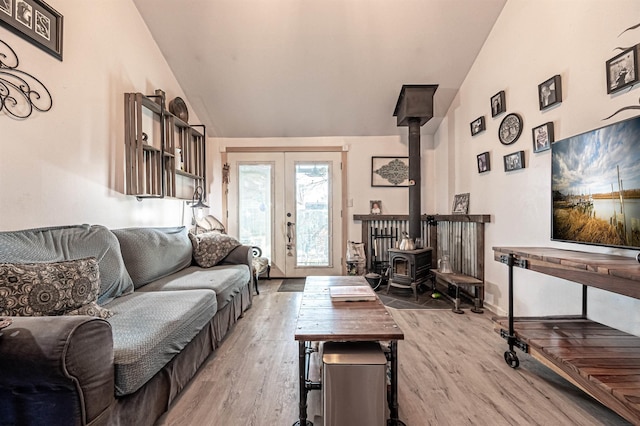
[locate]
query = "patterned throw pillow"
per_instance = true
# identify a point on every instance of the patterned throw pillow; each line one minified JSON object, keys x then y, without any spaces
{"x":211,"y":247}
{"x":61,"y":288}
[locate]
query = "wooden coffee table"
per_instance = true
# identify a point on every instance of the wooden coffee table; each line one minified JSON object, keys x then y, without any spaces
{"x":320,"y":320}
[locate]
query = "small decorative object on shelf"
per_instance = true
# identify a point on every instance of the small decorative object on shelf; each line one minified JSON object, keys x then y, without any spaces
{"x":178,"y":108}
{"x":20,"y":92}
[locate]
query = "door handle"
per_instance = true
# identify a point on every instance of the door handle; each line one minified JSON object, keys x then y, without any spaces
{"x":289,"y":234}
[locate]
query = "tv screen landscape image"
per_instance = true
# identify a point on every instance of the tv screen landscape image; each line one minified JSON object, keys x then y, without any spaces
{"x":595,"y":186}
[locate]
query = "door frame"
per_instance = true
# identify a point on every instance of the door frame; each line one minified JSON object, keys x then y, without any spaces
{"x":257,"y":149}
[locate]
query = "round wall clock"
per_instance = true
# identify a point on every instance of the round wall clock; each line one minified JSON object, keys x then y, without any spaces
{"x":510,"y":129}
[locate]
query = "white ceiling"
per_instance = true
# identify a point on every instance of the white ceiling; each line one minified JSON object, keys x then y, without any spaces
{"x":305,"y":68}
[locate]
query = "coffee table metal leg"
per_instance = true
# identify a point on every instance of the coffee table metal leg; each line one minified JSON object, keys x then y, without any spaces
{"x":302,"y":362}
{"x":393,"y":398}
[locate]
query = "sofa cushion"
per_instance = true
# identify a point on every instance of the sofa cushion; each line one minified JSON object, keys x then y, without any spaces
{"x":55,"y":244}
{"x":41,"y":289}
{"x":225,"y":280}
{"x":150,"y":328}
{"x":211,"y":247}
{"x":152,"y":253}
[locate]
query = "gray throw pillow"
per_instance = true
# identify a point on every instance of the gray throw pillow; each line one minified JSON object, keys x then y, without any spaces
{"x":61,"y":288}
{"x":152,"y":253}
{"x":211,"y":247}
{"x":55,"y":244}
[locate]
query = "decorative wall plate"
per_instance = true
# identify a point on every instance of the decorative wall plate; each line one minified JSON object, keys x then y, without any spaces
{"x":178,"y":108}
{"x":510,"y":129}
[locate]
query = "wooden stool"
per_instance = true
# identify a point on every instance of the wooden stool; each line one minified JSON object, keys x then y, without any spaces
{"x":457,"y":280}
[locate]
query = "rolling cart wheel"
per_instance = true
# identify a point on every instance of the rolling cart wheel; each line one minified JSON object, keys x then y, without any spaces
{"x":511,"y":358}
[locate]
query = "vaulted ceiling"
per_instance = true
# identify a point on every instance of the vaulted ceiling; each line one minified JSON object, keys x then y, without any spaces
{"x":307,"y":68}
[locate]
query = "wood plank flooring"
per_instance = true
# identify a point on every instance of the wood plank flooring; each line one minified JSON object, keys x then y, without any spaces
{"x":451,"y":372}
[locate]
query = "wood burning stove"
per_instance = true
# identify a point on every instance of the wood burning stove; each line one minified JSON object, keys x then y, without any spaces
{"x":409,"y":268}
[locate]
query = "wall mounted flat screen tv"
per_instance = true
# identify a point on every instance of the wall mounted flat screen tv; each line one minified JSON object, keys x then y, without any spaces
{"x":595,"y":186}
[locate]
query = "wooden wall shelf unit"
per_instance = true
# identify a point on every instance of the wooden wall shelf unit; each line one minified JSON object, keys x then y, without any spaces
{"x":602,"y":361}
{"x":163,"y":153}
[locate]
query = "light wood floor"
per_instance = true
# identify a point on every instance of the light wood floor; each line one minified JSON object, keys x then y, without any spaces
{"x":452,"y":372}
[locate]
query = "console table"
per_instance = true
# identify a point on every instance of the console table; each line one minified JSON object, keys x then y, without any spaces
{"x":602,"y":361}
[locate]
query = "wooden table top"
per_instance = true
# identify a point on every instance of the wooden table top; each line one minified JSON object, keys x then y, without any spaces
{"x":321,"y":319}
{"x":618,"y":274}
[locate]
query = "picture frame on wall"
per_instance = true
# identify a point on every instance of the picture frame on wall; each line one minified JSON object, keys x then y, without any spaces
{"x":542,"y":137}
{"x":390,"y":171}
{"x":514,"y":161}
{"x":36,"y":22}
{"x":460,"y":204}
{"x":484,"y":163}
{"x":498,"y":104}
{"x":550,"y":92}
{"x":477,"y":126}
{"x":375,"y":207}
{"x":622,"y":70}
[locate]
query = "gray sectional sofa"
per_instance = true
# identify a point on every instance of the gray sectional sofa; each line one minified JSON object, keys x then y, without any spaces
{"x":162,"y":316}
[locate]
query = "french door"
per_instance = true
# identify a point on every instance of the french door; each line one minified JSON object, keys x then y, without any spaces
{"x":289,"y":204}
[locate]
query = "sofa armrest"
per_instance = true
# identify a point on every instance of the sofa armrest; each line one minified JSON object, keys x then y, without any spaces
{"x":241,"y":255}
{"x":56,"y":369}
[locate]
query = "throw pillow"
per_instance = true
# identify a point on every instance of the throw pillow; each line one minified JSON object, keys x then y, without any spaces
{"x":211,"y":247}
{"x":60,"y":288}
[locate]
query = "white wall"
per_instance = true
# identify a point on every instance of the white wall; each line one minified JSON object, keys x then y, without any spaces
{"x":531,"y":42}
{"x":66,"y":166}
{"x":359,"y":153}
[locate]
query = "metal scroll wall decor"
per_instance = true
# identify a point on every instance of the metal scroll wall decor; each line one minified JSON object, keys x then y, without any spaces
{"x":20,"y":92}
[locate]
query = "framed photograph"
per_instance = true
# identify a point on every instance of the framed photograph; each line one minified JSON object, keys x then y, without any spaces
{"x":375,"y":207}
{"x":550,"y":92}
{"x":36,"y":22}
{"x":542,"y":137}
{"x":622,"y":70}
{"x":484,"y":165}
{"x":390,"y":171}
{"x":477,"y":125}
{"x":514,"y":161}
{"x":460,"y":204}
{"x":498,"y":104}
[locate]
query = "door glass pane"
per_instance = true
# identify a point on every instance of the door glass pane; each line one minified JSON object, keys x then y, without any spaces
{"x":312,"y":214}
{"x":254,"y":206}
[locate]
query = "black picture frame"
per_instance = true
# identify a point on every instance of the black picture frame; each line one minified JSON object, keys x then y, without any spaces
{"x":478,"y":125}
{"x":460,"y":204}
{"x":510,"y":129}
{"x":390,"y":171}
{"x":484,"y":162}
{"x":514,"y":161}
{"x":498,"y":104}
{"x":34,"y":21}
{"x":550,"y":92}
{"x":543,"y":137}
{"x":622,"y":70}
